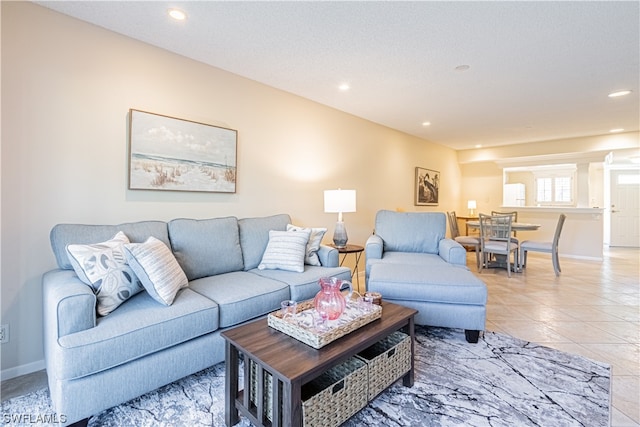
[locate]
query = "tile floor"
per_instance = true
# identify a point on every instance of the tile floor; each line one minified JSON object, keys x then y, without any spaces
{"x":592,"y":309}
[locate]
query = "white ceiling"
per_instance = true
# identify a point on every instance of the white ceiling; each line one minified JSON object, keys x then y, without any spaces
{"x":538,"y":70}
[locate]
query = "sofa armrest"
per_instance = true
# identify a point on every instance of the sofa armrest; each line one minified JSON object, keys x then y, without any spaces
{"x":68,"y":304}
{"x":374,"y":247}
{"x":452,"y":252}
{"x":328,"y":256}
{"x":373,"y":253}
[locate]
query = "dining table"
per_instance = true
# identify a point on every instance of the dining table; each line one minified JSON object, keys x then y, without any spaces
{"x":501,"y":260}
{"x":515,"y":226}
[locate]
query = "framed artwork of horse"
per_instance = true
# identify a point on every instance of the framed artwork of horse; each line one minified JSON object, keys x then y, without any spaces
{"x":427,"y":185}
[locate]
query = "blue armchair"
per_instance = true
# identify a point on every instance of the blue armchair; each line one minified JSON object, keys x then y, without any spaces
{"x":411,"y":262}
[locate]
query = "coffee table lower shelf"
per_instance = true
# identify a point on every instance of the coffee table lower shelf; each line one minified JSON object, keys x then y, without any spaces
{"x":292,"y":366}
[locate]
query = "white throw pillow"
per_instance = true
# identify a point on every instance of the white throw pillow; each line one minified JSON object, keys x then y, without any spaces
{"x":157,"y":268}
{"x":313,"y":245}
{"x":104,"y":268}
{"x":285,"y":251}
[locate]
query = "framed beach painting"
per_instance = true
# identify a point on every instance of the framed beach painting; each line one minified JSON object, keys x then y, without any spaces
{"x":173,"y":154}
{"x":427,"y":184}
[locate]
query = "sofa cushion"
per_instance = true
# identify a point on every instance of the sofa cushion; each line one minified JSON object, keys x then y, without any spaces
{"x":157,"y":269}
{"x":304,"y":286}
{"x":407,"y":258}
{"x":454,"y":284}
{"x":254,"y":236}
{"x":103,"y":266}
{"x":413,"y":258}
{"x":139,"y":327}
{"x":63,"y":235}
{"x":285,"y":251}
{"x":313,"y":245}
{"x":206,"y":247}
{"x":411,"y":231}
{"x":241,"y":296}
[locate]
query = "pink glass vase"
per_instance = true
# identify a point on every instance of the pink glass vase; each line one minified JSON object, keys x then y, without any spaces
{"x":329,"y":302}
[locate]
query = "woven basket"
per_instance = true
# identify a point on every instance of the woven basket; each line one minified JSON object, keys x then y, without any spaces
{"x":267,"y":379}
{"x":336,"y":395}
{"x":388,"y":360}
{"x":351,"y":319}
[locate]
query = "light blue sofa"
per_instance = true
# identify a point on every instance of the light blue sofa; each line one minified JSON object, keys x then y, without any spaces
{"x":94,"y":363}
{"x":410,"y":262}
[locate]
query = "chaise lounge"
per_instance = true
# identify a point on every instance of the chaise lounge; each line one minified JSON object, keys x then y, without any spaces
{"x":411,"y":263}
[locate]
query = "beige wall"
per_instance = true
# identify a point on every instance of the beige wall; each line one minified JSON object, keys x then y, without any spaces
{"x":67,"y":87}
{"x":585,"y":149}
{"x":584,"y":233}
{"x":481,"y":182}
{"x":482,"y":169}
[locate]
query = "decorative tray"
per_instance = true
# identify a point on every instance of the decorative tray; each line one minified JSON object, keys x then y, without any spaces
{"x":303,"y":327}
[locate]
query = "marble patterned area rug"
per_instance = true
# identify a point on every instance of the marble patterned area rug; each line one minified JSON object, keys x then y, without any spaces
{"x":501,"y":381}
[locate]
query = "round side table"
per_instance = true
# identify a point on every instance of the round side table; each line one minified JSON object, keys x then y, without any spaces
{"x":357,"y":250}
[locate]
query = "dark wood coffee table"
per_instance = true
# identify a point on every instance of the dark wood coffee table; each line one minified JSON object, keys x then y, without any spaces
{"x":293,"y":363}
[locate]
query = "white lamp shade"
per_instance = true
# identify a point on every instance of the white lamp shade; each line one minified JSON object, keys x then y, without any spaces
{"x":340,"y":201}
{"x":471,"y":204}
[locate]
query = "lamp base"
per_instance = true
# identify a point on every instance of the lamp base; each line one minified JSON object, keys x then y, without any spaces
{"x":340,"y":235}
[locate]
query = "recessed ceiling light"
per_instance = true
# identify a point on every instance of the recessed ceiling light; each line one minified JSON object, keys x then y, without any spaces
{"x":616,"y":130}
{"x":344,"y":86}
{"x":425,"y":124}
{"x":478,"y":145}
{"x":619,"y":93}
{"x":177,"y":14}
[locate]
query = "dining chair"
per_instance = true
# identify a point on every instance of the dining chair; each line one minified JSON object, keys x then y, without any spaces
{"x":465,"y":241}
{"x":495,"y":238}
{"x":514,"y":215}
{"x":546,"y":247}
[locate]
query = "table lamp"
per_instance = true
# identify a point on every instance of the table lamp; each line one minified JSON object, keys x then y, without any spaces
{"x":340,"y":201}
{"x":471,"y":205}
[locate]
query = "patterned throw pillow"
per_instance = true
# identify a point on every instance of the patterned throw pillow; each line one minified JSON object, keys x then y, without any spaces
{"x":285,"y":251}
{"x":103,"y":266}
{"x":157,"y":268}
{"x":313,"y":245}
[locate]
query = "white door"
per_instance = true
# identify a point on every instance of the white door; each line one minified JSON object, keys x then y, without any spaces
{"x":625,"y":208}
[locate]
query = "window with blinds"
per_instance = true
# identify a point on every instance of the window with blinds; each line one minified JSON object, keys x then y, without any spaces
{"x":555,"y":189}
{"x":544,"y":190}
{"x":545,"y":185}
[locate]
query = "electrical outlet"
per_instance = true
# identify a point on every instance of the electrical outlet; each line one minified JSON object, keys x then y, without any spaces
{"x":4,"y":334}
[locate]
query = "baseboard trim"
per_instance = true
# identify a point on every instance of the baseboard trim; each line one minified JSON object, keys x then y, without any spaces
{"x":7,"y":374}
{"x":567,"y":256}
